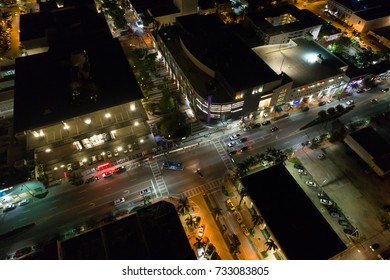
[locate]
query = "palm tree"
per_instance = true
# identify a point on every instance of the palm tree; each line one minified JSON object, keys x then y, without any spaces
{"x":271,"y":245}
{"x":146,"y":199}
{"x":199,"y":243}
{"x":257,"y":219}
{"x":184,"y":206}
{"x":216,"y":211}
{"x":243,"y":193}
{"x":190,"y":221}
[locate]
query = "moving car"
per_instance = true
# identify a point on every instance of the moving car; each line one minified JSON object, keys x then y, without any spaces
{"x":201,"y":230}
{"x":9,"y":207}
{"x":119,"y":201}
{"x":146,"y":191}
{"x":121,"y":169}
{"x":24,"y":202}
{"x":230,"y":205}
{"x":232,"y":153}
{"x":235,"y":136}
{"x":275,"y":128}
{"x":311,"y":184}
{"x":107,"y":174}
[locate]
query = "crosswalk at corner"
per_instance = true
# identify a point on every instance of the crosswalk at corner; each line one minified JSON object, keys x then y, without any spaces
{"x":223,"y":154}
{"x":208,"y":187}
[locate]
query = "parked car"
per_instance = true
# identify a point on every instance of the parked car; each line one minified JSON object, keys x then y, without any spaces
{"x":232,"y":144}
{"x":336,"y":215}
{"x":244,"y":230}
{"x":230,"y":205}
{"x":321,"y":156}
{"x":235,"y":136}
{"x":274,"y":128}
{"x":109,"y":154}
{"x":256,"y":125}
{"x":236,"y":239}
{"x":350,"y":102}
{"x":302,"y":171}
{"x":322,"y":103}
{"x":305,"y":109}
{"x":201,"y":230}
{"x":349,"y":231}
{"x":116,"y":153}
{"x":311,"y":183}
{"x":237,"y":216}
{"x":243,"y":149}
{"x":326,"y":201}
{"x":374,"y":246}
{"x":119,"y":201}
{"x":266,"y":123}
{"x":298,"y":166}
{"x":360,"y":90}
{"x":344,"y":223}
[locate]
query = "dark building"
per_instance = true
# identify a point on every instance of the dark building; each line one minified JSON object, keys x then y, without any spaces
{"x":300,"y":229}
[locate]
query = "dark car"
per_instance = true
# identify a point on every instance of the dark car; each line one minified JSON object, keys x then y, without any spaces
{"x":232,"y":153}
{"x":385,"y":89}
{"x":120,"y":169}
{"x":322,"y":103}
{"x":298,"y":166}
{"x":245,"y":148}
{"x":275,"y":128}
{"x":374,"y":246}
{"x":266,"y":123}
{"x":256,"y":125}
{"x":242,"y":140}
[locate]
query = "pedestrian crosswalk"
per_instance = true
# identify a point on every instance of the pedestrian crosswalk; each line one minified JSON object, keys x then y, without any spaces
{"x":209,"y":186}
{"x":197,"y":127}
{"x":223,"y":154}
{"x":160,"y":182}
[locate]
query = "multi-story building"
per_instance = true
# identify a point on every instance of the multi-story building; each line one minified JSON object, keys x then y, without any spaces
{"x":363,"y":15}
{"x":278,"y":25}
{"x":79,"y":94}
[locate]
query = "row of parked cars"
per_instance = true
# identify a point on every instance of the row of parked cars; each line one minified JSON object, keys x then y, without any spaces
{"x":237,"y":217}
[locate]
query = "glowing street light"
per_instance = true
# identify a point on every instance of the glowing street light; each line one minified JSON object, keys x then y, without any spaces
{"x":107,"y":115}
{"x":88,"y":121}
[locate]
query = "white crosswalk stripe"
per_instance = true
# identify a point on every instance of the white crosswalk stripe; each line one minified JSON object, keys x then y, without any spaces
{"x":161,"y":186}
{"x":223,"y":154}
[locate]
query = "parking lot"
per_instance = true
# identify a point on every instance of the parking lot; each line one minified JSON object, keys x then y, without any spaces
{"x":358,"y":194}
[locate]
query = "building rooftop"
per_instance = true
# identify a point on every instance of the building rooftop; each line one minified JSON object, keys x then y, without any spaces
{"x":211,"y":42}
{"x":156,"y":8}
{"x":85,"y":70}
{"x":302,"y":19}
{"x":298,"y":61}
{"x":375,"y":145}
{"x":383,"y":31}
{"x":372,"y":14}
{"x":291,"y":215}
{"x":152,"y":233}
{"x":360,"y":5}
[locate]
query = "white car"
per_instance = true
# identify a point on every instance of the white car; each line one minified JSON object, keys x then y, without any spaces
{"x":311,"y":184}
{"x":109,"y":154}
{"x":201,"y":230}
{"x":119,"y":201}
{"x":107,"y":174}
{"x":232,"y":144}
{"x":302,"y":171}
{"x":145,"y":191}
{"x":325,"y":201}
{"x":235,"y":136}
